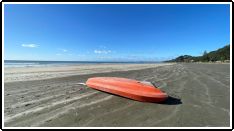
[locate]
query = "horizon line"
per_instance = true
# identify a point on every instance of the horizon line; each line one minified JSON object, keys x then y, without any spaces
{"x":92,"y":60}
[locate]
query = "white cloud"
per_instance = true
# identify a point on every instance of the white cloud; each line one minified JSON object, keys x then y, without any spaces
{"x":102,"y":47}
{"x":58,"y":54}
{"x":29,"y":45}
{"x":63,"y":50}
{"x":102,"y":51}
{"x":80,"y":55}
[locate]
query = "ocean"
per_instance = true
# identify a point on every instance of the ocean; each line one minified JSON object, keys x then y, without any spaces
{"x":32,"y":63}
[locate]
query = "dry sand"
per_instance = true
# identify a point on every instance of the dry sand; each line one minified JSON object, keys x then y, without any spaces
{"x":199,"y":97}
{"x":37,"y":73}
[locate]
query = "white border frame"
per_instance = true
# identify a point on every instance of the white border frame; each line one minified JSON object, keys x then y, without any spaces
{"x":3,"y":5}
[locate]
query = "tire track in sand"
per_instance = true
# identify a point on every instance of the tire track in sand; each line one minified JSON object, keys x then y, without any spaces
{"x":182,"y":75}
{"x":38,"y":109}
{"x":207,"y":92}
{"x":69,"y":108}
{"x":107,"y":113}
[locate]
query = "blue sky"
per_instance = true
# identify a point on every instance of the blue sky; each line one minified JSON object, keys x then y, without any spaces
{"x":114,"y":32}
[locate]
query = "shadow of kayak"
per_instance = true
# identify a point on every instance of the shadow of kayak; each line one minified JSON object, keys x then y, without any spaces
{"x":172,"y":101}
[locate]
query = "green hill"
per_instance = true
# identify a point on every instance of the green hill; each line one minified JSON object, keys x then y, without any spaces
{"x":221,"y":54}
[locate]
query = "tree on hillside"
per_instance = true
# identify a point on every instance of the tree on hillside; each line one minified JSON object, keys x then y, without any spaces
{"x":205,"y":57}
{"x":221,"y":54}
{"x":205,"y":53}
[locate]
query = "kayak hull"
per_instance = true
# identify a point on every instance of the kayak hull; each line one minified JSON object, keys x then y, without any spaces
{"x":128,"y":88}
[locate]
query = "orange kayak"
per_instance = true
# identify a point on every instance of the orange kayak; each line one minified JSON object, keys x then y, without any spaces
{"x":133,"y":89}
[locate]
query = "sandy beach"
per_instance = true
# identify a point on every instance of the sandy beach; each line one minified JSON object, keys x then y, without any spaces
{"x":46,"y":72}
{"x":50,"y":97}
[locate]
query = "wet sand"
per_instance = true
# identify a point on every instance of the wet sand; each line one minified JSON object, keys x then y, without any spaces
{"x":199,"y":97}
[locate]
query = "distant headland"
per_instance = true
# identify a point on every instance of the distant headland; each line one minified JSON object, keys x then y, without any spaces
{"x":219,"y":55}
